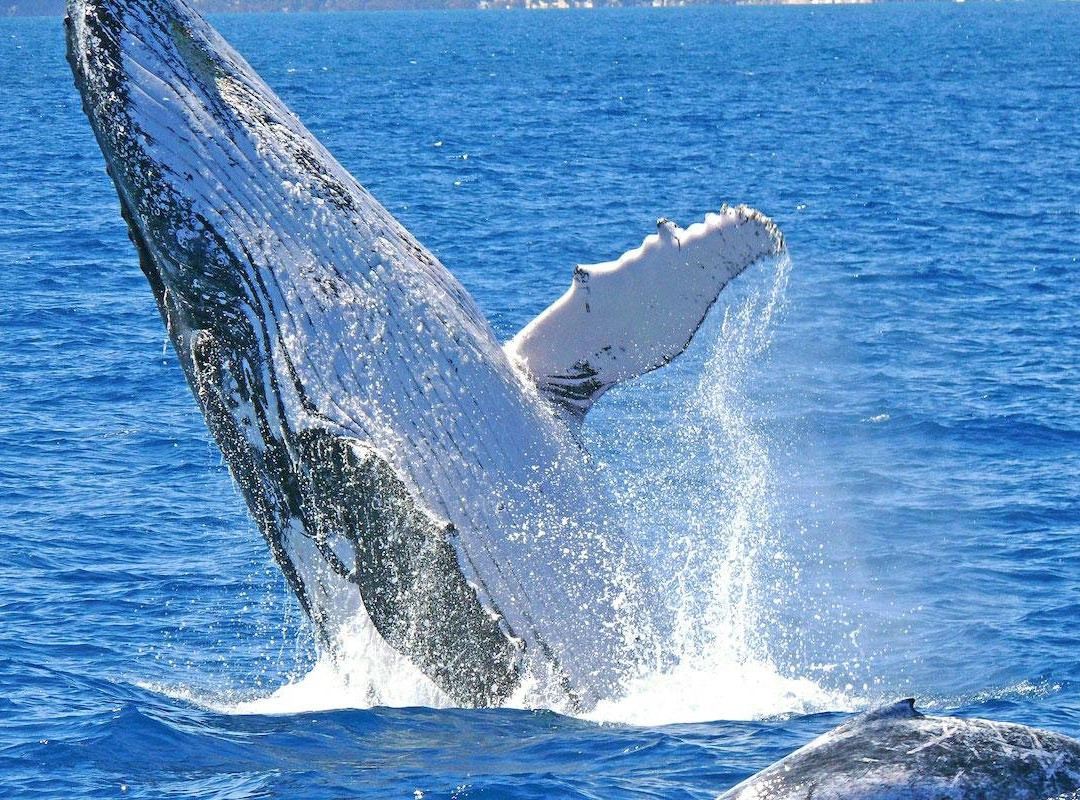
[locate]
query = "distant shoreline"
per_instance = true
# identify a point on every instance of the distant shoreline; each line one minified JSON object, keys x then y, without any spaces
{"x":55,"y":8}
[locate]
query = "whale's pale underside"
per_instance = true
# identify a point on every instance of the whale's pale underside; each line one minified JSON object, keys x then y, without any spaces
{"x":421,"y":486}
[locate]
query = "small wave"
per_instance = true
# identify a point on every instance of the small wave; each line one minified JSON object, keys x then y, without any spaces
{"x":206,"y":700}
{"x":1022,"y":690}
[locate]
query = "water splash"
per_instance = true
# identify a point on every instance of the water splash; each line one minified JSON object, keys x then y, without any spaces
{"x":708,"y":498}
{"x":699,"y":488}
{"x":718,"y":686}
{"x":735,"y":520}
{"x":347,"y":676}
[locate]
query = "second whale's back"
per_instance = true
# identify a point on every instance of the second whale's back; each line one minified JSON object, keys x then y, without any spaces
{"x":897,"y":753}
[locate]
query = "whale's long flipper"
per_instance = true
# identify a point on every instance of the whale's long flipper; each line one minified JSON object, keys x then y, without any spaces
{"x":626,"y":317}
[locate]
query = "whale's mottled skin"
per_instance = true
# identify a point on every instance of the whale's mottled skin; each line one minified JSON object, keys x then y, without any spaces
{"x":897,"y":753}
{"x":422,"y":489}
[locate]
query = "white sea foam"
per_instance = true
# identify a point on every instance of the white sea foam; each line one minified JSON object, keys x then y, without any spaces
{"x":717,"y":688}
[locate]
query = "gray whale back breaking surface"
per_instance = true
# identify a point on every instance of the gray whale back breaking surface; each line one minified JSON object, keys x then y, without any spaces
{"x":897,"y":753}
{"x":421,"y":487}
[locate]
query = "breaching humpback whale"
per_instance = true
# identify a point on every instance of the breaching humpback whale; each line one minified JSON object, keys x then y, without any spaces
{"x":421,"y":486}
{"x":897,"y":753}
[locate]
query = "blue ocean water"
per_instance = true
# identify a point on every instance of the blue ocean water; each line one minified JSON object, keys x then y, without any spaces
{"x":870,"y":457}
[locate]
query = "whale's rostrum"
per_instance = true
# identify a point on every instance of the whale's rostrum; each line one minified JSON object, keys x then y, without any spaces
{"x":422,"y":488}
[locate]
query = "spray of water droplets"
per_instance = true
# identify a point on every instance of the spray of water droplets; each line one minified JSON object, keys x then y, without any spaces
{"x":702,"y":493}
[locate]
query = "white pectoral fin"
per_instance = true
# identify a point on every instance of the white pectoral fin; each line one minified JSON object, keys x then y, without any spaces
{"x":626,"y":317}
